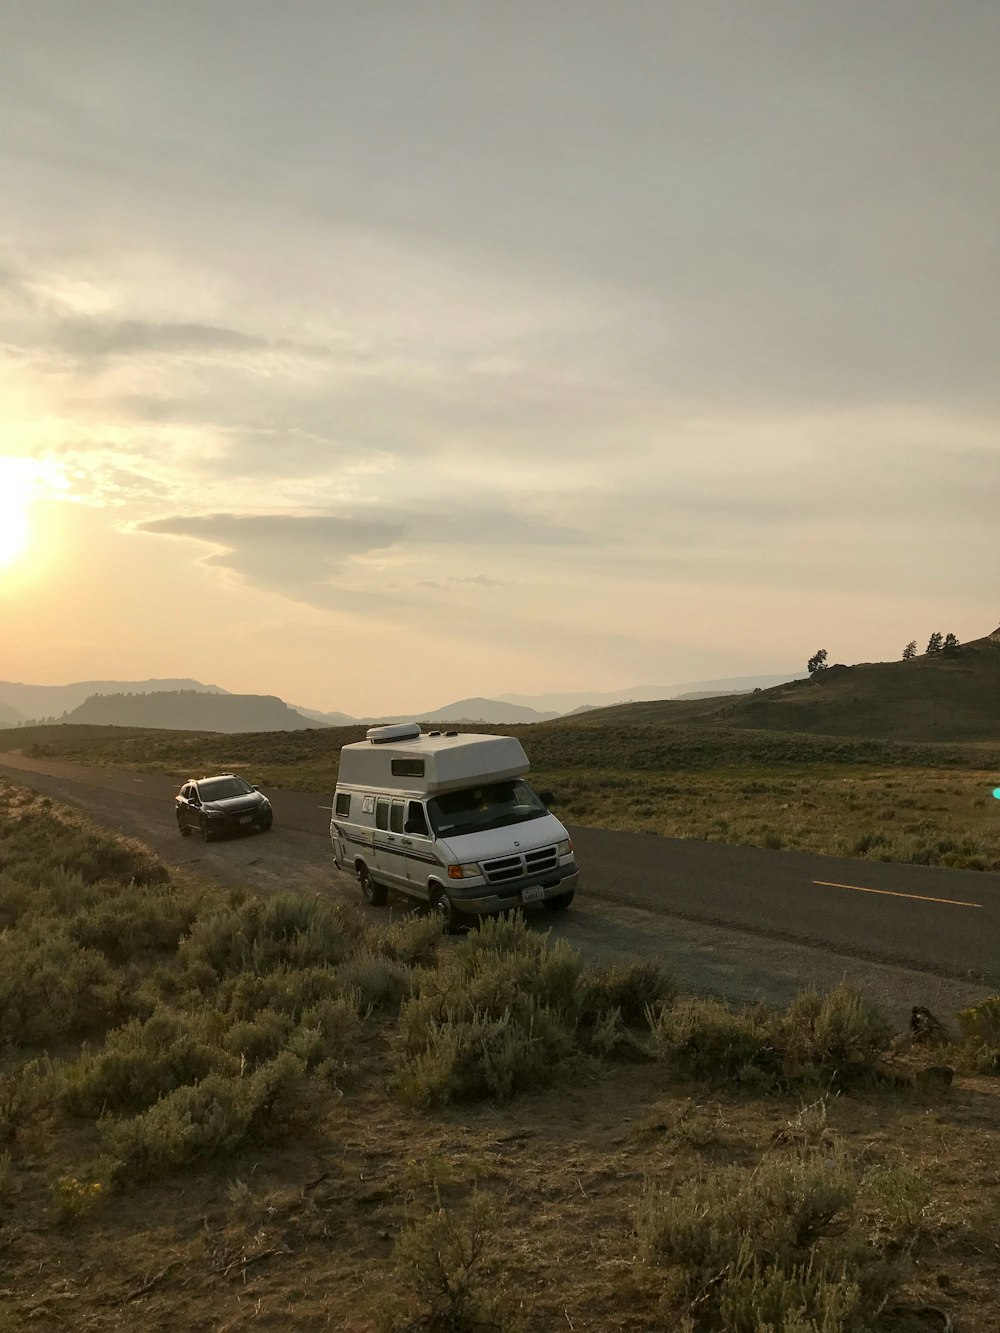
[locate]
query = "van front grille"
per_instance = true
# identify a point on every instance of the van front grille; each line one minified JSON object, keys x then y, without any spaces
{"x":504,"y":868}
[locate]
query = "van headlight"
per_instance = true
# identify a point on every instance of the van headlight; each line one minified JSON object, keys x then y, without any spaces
{"x":565,"y":847}
{"x":464,"y":872}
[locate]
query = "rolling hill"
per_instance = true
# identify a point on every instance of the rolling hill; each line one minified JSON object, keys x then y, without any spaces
{"x":936,"y":697}
{"x":21,"y":702}
{"x":191,"y":710}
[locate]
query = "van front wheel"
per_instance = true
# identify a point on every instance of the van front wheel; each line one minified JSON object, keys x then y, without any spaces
{"x":451,"y":919}
{"x":373,"y":894}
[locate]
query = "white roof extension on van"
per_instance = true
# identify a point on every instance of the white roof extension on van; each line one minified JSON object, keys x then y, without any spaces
{"x":402,"y":758}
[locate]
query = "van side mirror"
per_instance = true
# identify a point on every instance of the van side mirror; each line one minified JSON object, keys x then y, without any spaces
{"x":547,"y":798}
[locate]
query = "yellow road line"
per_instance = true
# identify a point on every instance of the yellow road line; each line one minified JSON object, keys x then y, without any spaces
{"x":891,"y":893}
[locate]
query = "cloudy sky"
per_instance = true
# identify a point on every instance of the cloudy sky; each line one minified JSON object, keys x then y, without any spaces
{"x":376,"y":355}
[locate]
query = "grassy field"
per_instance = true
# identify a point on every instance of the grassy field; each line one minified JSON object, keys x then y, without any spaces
{"x":883,"y":800}
{"x":219,"y":1112}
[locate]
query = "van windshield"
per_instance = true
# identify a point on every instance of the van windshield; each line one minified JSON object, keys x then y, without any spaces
{"x":479,"y":808}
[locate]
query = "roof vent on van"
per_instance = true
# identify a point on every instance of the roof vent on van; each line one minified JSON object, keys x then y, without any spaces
{"x":402,"y":731}
{"x":451,"y":733}
{"x":434,"y":733}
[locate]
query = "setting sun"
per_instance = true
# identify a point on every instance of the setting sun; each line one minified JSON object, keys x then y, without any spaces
{"x":22,"y":480}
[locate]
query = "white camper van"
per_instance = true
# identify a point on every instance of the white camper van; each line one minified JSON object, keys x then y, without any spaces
{"x":448,"y":819}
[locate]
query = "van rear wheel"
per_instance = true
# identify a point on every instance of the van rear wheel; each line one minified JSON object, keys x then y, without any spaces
{"x":559,"y":903}
{"x":373,"y":894}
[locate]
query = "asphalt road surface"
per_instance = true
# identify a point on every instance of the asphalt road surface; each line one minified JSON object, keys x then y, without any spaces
{"x":740,"y":922}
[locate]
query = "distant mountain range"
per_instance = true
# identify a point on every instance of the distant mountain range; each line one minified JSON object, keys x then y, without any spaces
{"x":27,"y":703}
{"x":936,"y":696}
{"x":190,"y":710}
{"x":189,"y":705}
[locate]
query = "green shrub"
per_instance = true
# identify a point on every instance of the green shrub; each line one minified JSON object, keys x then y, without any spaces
{"x":51,"y":988}
{"x":902,"y":1194}
{"x":838,"y":1038}
{"x":839,"y":1035}
{"x":980,"y":1027}
{"x":24,"y":1090}
{"x":768,"y":1248}
{"x":413,"y":942}
{"x":706,"y":1038}
{"x":378,"y":982}
{"x":484,"y":1057}
{"x":507,"y":1009}
{"x":140,"y":1063}
{"x":39,"y":839}
{"x":446,"y":1264}
{"x":254,"y":1041}
{"x":290,"y":991}
{"x":632,"y":988}
{"x":286,"y":931}
{"x":126,"y":923}
{"x":211,"y":1119}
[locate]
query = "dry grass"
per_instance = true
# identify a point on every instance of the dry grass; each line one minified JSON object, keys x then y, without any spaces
{"x":921,"y":816}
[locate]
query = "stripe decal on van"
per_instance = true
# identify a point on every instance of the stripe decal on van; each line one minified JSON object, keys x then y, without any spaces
{"x":428,"y":857}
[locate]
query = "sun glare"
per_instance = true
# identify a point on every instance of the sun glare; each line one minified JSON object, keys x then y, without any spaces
{"x":21,"y":481}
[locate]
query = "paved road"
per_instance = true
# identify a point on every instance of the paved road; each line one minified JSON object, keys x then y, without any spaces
{"x":946,"y":921}
{"x":738,"y":921}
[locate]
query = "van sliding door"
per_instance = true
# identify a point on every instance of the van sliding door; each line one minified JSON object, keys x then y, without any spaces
{"x":388,"y":836}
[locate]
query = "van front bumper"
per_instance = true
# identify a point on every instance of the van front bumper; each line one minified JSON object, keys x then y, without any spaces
{"x":481,"y":899}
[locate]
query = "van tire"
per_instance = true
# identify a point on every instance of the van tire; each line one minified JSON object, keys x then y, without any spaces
{"x":559,"y":903}
{"x":373,"y":894}
{"x":452,"y":920}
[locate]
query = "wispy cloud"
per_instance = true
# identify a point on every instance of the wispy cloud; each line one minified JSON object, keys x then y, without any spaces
{"x":93,"y":338}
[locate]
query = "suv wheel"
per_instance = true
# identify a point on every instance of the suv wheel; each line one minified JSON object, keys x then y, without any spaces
{"x":184,"y":829}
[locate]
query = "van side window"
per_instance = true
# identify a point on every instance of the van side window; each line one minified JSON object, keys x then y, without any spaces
{"x":342,"y":805}
{"x":382,"y":813}
{"x":407,"y":768}
{"x":396,"y":817}
{"x":416,"y":820}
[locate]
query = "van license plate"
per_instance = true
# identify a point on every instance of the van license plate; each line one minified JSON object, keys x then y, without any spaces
{"x":532,"y":895}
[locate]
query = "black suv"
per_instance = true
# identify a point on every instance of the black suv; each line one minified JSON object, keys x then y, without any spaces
{"x":221,"y":804}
